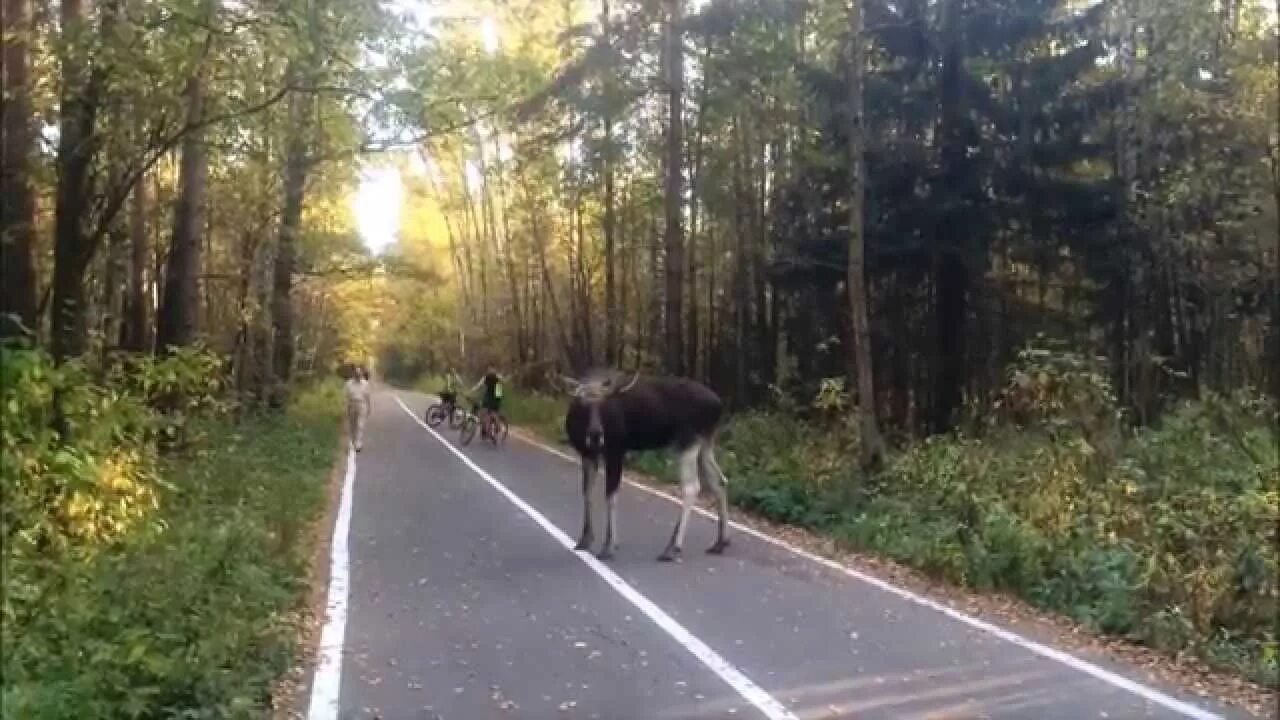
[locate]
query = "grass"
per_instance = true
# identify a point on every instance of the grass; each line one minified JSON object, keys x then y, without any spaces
{"x":195,"y":614}
{"x":541,"y":414}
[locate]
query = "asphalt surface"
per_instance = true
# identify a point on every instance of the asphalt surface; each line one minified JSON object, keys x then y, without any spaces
{"x":463,"y":607}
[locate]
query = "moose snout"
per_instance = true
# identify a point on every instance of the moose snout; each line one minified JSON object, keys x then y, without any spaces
{"x":595,"y":438}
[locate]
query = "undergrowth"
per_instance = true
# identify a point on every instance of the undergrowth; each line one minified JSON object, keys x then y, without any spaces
{"x":1164,"y":535}
{"x":161,"y":585}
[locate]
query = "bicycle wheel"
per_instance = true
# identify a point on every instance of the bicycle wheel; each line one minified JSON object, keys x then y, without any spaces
{"x":435,"y":415}
{"x":498,"y":430}
{"x":468,"y":430}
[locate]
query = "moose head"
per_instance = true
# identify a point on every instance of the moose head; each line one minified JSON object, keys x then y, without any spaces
{"x":591,"y":394}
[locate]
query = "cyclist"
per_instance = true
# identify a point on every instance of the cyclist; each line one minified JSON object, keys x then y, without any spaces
{"x":449,"y":395}
{"x":492,"y":401}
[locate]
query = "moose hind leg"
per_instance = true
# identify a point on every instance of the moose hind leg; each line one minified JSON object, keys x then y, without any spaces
{"x":688,"y":495}
{"x":714,"y":479}
{"x":590,"y":467}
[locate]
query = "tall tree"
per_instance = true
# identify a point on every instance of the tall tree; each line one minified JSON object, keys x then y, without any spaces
{"x":83,"y":78}
{"x":178,"y":320}
{"x":296,"y":168}
{"x":872,"y":445}
{"x":17,"y":202}
{"x":673,"y":189}
{"x":956,"y":183}
{"x":611,"y":318}
{"x":1275,"y":194}
{"x":135,"y":335}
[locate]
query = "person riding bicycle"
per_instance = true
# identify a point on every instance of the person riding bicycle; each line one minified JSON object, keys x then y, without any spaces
{"x":492,"y":400}
{"x":449,"y":395}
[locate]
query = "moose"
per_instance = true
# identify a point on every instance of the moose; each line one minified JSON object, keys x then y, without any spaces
{"x":610,"y":415}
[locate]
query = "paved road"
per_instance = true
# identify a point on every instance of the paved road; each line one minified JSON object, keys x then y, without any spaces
{"x":465,"y":603}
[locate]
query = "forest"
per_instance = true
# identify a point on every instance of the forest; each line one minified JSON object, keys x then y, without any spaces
{"x":990,"y":285}
{"x":991,"y":288}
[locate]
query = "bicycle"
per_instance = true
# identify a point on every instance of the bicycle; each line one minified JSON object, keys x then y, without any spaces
{"x":496,"y":431}
{"x":446,"y":408}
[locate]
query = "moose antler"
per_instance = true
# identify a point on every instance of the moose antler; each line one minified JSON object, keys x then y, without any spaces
{"x":571,"y":385}
{"x":635,"y":377}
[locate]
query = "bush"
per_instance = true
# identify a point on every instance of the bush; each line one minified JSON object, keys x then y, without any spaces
{"x":140,"y":596}
{"x":1169,"y":541}
{"x":544,"y":414}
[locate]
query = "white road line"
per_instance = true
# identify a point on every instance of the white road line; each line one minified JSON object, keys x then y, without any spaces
{"x":1147,"y":693}
{"x":327,"y":684}
{"x":750,"y":692}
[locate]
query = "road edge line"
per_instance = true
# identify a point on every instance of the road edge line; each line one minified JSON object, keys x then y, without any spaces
{"x":744,"y":686}
{"x":1060,"y":656}
{"x":326,"y":683}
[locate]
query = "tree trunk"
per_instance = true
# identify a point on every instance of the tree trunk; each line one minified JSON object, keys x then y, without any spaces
{"x":78,"y":145}
{"x":178,"y":320}
{"x":508,"y":259}
{"x":611,"y":318}
{"x":475,"y":238}
{"x":872,"y":446}
{"x":17,"y":201}
{"x":951,"y":291}
{"x":455,"y":252}
{"x":693,"y":334}
{"x":584,"y":283}
{"x":114,"y":285}
{"x":297,"y":165}
{"x":1275,"y":277}
{"x":540,"y":245}
{"x":673,"y":243}
{"x":135,"y":335}
{"x":741,"y":297}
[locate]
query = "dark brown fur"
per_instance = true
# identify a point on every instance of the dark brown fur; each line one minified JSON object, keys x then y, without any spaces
{"x":609,"y":418}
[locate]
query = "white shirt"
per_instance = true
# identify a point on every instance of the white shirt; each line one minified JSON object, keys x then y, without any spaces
{"x":357,"y":393}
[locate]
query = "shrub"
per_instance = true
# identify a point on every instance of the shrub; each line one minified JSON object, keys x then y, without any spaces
{"x":142,"y":585}
{"x":544,"y":414}
{"x":1166,"y":537}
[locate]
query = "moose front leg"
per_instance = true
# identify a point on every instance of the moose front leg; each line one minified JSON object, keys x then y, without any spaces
{"x":612,"y":481}
{"x":590,"y":467}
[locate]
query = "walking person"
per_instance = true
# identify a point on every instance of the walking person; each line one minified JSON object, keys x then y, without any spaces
{"x":359,"y":405}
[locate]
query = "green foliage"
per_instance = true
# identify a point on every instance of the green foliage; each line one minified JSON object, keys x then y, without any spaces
{"x":186,"y":385}
{"x":79,"y":456}
{"x":544,"y":414}
{"x":1057,"y":390}
{"x":156,"y":586}
{"x":1169,"y":541}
